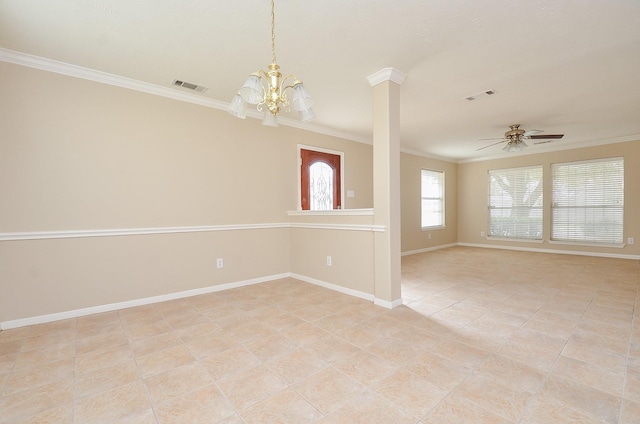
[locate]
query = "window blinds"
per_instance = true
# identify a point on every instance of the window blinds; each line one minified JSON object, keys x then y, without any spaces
{"x":515,"y":203}
{"x":588,"y":201}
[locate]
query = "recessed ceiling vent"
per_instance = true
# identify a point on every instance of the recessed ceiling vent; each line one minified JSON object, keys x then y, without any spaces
{"x":190,"y":86}
{"x":481,"y":95}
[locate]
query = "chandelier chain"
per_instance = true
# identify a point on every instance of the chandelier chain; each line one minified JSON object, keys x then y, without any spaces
{"x":273,"y":32}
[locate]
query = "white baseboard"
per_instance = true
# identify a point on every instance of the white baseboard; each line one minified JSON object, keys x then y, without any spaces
{"x":429,"y":249}
{"x":6,"y":325}
{"x":335,"y":287}
{"x":560,"y":252}
{"x":387,"y":304}
{"x":41,"y":319}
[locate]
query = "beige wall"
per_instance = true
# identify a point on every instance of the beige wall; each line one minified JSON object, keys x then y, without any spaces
{"x":82,"y":156}
{"x":413,"y":238}
{"x":473,"y":186}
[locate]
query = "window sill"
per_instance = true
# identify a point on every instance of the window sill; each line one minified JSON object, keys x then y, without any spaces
{"x":333,"y":212}
{"x":578,"y":243}
{"x":538,"y":241}
{"x":435,"y":227}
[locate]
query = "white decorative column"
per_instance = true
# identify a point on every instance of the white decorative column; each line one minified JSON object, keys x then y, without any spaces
{"x":386,"y":184}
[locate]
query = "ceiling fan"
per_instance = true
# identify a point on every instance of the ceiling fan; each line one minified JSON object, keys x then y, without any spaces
{"x":516,"y":136}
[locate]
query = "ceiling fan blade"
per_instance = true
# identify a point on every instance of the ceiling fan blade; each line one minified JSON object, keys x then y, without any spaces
{"x":532,"y":132}
{"x":501,"y":141}
{"x":493,"y":138}
{"x":546,"y":137}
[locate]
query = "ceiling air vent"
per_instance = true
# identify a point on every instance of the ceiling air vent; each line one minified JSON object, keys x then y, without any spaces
{"x":481,"y":95}
{"x":190,"y":86}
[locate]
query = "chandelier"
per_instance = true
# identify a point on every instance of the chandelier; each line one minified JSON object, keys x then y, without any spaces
{"x":270,"y":93}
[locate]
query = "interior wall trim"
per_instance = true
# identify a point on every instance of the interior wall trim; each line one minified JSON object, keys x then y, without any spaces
{"x":561,"y":252}
{"x":76,"y":313}
{"x":49,"y":65}
{"x":44,"y":235}
{"x":428,"y":249}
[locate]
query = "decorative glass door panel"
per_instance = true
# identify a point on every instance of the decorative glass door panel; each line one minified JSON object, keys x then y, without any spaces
{"x":320,"y":180}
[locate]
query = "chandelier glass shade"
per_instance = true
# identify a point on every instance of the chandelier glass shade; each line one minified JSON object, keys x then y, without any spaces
{"x":269,"y":90}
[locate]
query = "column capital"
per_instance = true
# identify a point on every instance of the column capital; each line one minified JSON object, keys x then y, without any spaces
{"x":387,"y":74}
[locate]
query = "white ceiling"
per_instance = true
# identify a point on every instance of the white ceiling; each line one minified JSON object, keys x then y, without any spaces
{"x":569,"y":67}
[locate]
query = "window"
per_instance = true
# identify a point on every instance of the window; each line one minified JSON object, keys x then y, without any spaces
{"x":432,"y":187}
{"x":588,"y":201}
{"x":320,"y":180}
{"x":515,"y":203}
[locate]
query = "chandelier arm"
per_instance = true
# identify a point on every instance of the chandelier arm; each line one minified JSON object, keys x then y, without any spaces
{"x":285,"y":78}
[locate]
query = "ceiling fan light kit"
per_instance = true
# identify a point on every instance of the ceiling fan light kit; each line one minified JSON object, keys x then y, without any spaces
{"x":270,"y":93}
{"x":515,"y":138}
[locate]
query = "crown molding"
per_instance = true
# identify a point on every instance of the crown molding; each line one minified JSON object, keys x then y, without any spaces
{"x":50,"y":65}
{"x":387,"y":74}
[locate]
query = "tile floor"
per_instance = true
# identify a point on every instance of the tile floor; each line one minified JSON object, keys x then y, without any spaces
{"x":487,"y":336}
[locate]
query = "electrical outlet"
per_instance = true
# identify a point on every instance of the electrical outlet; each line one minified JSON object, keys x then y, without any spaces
{"x":630,"y":240}
{"x":328,"y":260}
{"x":429,"y":236}
{"x":481,"y":233}
{"x":219,"y":263}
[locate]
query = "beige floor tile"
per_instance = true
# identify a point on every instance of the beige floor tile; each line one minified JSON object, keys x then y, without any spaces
{"x":369,"y":408}
{"x":62,"y":414}
{"x":479,"y":326}
{"x":20,"y":406}
{"x":366,"y":367}
{"x":164,"y":360}
{"x":512,"y":373}
{"x":630,"y":412}
{"x":296,"y":366}
{"x":412,"y":393}
{"x":47,"y":339}
{"x":251,"y":386}
{"x":177,"y":381}
{"x":328,"y":389}
{"x":229,"y":362}
{"x":271,"y":347}
{"x":486,"y":391}
{"x":95,"y":360}
{"x":333,"y":349}
{"x":143,"y":347}
{"x":144,"y":330}
{"x":31,"y":377}
{"x":439,"y":371}
{"x":533,"y":348}
{"x":123,"y":404}
{"x":605,"y":379}
{"x":106,"y":378}
{"x":455,"y":409}
{"x":210,"y":345}
{"x":283,"y":408}
{"x":306,"y":334}
{"x":632,"y":385}
{"x":554,"y":412}
{"x":594,"y":355}
{"x":50,"y":353}
{"x":12,"y":334}
{"x":102,"y":341}
{"x":461,"y":353}
{"x":588,"y":400}
{"x":203,"y":406}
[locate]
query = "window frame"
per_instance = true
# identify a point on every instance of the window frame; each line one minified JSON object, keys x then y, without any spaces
{"x":539,"y":200}
{"x":571,"y":228}
{"x":442,"y":199}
